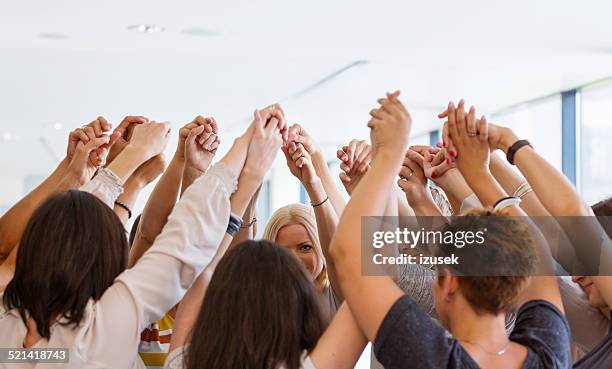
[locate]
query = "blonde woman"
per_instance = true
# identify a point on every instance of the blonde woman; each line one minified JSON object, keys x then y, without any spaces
{"x":294,"y":227}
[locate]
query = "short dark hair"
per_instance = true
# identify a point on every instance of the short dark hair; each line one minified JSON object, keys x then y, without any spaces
{"x":72,"y":249}
{"x":260,"y":310}
{"x":493,"y":277}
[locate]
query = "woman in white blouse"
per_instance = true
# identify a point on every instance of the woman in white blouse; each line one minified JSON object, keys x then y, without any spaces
{"x":101,"y":308}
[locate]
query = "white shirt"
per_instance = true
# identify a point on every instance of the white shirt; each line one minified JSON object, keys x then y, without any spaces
{"x":175,"y":359}
{"x":109,"y":333}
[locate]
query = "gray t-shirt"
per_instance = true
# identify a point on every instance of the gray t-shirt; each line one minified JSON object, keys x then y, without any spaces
{"x":408,"y":338}
{"x":589,"y":326}
{"x":600,"y":357}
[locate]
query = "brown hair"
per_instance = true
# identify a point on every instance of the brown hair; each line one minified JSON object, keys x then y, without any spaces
{"x":492,"y":276}
{"x":253,"y":319}
{"x":73,"y":248}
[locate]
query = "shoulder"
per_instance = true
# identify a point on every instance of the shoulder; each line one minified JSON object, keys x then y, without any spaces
{"x":542,"y":328}
{"x":175,"y":358}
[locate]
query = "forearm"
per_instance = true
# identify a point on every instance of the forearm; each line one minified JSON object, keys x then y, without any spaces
{"x":403,"y":206}
{"x":556,"y":193}
{"x":485,"y":187}
{"x":13,"y":222}
{"x":158,"y":208}
{"x":197,"y":224}
{"x":248,"y":230}
{"x":189,"y":176}
{"x":365,"y":201}
{"x":191,"y":304}
{"x":335,"y":196}
{"x":131,"y":191}
{"x":327,"y":221}
{"x":455,"y":187}
{"x":427,"y":209}
{"x":127,"y":162}
{"x":511,"y":181}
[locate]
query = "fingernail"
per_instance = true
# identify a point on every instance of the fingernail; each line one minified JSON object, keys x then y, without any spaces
{"x":433,"y":175}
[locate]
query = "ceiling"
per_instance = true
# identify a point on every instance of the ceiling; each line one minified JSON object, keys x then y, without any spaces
{"x":63,"y":62}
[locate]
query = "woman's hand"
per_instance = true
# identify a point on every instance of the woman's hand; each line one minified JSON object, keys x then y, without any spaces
{"x":205,"y":138}
{"x":355,"y":160}
{"x":81,"y":167}
{"x":122,"y":134}
{"x":299,"y":162}
{"x":265,"y":141}
{"x":434,"y":162}
{"x":200,"y":145}
{"x":413,"y":181}
{"x":390,"y":126}
{"x":470,"y":138}
{"x":149,"y":139}
{"x":297,"y":133}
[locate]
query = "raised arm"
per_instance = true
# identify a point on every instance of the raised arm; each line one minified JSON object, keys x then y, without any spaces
{"x":301,"y":166}
{"x":370,"y":298}
{"x":198,"y":152}
{"x":355,"y":158}
{"x":299,"y":135}
{"x":164,"y":196}
{"x":470,"y":137}
{"x":145,"y":174}
{"x":262,"y":150}
{"x":414,"y":184}
{"x":13,"y":222}
{"x":341,"y":344}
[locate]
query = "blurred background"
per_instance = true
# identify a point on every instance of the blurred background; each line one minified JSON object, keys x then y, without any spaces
{"x":541,"y":67}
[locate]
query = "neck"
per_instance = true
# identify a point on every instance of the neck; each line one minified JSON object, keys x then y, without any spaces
{"x":487,"y":330}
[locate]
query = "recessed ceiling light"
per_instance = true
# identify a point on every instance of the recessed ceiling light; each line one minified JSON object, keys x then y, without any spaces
{"x":53,"y":36}
{"x":147,"y":28}
{"x":7,"y":136}
{"x":57,"y":126}
{"x":200,"y":32}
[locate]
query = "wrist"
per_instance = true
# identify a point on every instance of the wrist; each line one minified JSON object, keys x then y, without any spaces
{"x":508,"y":138}
{"x":315,"y":190}
{"x":137,"y":153}
{"x":251,"y":176}
{"x":71,"y":181}
{"x":389,"y":157}
{"x":179,"y":155}
{"x":318,"y":161}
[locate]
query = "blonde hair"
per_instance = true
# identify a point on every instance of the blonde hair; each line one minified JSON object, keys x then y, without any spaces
{"x":303,"y":215}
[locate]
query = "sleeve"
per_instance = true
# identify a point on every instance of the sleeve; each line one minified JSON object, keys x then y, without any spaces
{"x":470,"y":202}
{"x":406,"y":326}
{"x":165,"y":272}
{"x":543,"y":328}
{"x":106,"y":186}
{"x":175,"y":358}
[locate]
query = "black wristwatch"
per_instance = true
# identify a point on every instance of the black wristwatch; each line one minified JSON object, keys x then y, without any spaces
{"x":514,"y":148}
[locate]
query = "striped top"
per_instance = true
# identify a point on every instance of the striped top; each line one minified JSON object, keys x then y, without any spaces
{"x":155,"y":342}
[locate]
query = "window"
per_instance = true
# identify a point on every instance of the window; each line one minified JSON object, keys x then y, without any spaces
{"x":540,"y":123}
{"x":595,"y":143}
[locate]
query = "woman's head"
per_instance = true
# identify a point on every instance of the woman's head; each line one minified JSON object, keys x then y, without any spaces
{"x":491,"y":276}
{"x":591,"y":291}
{"x":603,"y":211}
{"x":72,"y":249}
{"x":260,"y":310}
{"x":294,"y":227}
